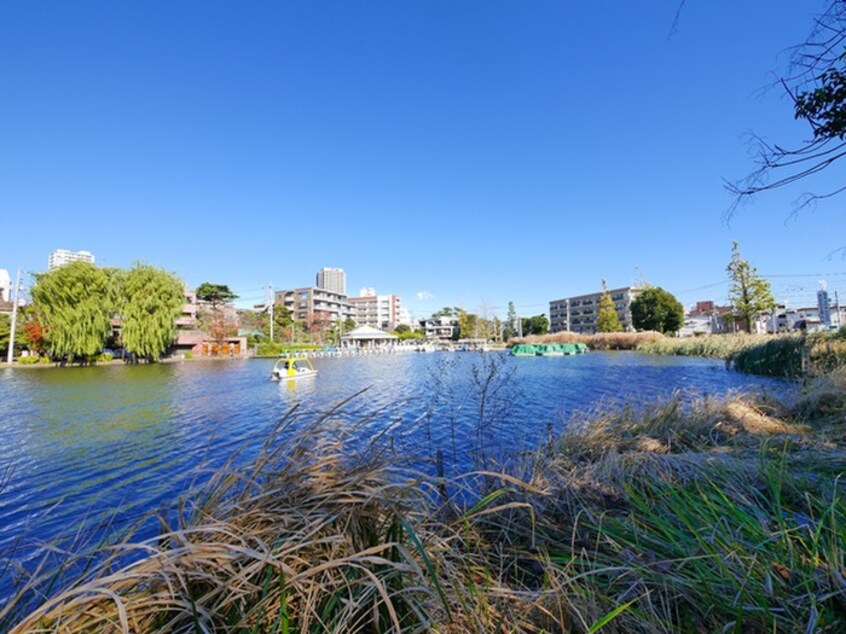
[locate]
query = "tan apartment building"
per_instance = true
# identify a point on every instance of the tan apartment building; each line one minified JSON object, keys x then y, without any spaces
{"x":377,"y":311}
{"x":315,"y":306}
{"x":578,"y":314}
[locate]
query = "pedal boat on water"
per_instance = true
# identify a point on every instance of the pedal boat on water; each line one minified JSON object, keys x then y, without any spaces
{"x":292,"y":368}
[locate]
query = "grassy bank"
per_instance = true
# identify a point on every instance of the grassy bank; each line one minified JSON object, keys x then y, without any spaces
{"x":789,"y":355}
{"x":785,"y":355}
{"x":275,"y":349}
{"x":717,"y":515}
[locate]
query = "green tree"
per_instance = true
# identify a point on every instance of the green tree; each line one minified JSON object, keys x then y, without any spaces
{"x":510,"y":329}
{"x":468,"y":324}
{"x":216,"y":322}
{"x":152,"y":301}
{"x":749,"y":293}
{"x":607,"y":319}
{"x":657,"y":309}
{"x":282,"y":319}
{"x":76,"y":303}
{"x":6,"y":331}
{"x":215,"y":294}
{"x":537,"y":325}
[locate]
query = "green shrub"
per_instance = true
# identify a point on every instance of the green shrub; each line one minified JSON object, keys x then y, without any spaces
{"x":777,"y":356}
{"x":275,"y":349}
{"x":188,"y":355}
{"x":28,"y":360}
{"x":106,"y":356}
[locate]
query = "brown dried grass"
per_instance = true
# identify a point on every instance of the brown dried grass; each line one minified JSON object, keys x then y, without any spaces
{"x":599,"y":341}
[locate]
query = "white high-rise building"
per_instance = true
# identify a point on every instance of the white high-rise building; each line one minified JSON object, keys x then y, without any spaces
{"x":334,"y":280}
{"x":5,"y":286}
{"x":824,"y":304}
{"x":60,"y":257}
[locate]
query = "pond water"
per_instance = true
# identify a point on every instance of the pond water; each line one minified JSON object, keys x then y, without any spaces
{"x":84,"y":446}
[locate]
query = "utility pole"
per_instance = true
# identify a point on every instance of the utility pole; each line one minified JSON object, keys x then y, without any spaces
{"x":14,"y":319}
{"x":270,"y":309}
{"x":837,"y":308}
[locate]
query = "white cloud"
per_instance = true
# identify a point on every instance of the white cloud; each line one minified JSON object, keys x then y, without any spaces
{"x":424,"y":295}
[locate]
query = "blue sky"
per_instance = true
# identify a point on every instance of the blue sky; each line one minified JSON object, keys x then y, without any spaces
{"x":467,"y":153}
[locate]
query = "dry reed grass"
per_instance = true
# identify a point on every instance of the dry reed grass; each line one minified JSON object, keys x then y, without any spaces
{"x":599,"y":341}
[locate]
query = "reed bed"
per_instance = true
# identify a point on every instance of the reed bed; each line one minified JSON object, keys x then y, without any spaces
{"x":709,"y":346}
{"x":704,"y":516}
{"x":598,"y":341}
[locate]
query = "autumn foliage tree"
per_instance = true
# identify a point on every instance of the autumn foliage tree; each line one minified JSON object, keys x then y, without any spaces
{"x":607,"y":319}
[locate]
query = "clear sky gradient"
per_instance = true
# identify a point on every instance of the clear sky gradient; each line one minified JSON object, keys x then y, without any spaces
{"x":454,"y":153}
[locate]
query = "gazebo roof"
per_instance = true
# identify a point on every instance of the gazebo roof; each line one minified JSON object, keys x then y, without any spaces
{"x":367,"y":333}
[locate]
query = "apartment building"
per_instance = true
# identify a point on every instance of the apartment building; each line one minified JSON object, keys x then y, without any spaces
{"x":377,"y":311}
{"x":60,"y":257}
{"x":578,"y":314}
{"x":440,"y":327}
{"x":315,"y":306}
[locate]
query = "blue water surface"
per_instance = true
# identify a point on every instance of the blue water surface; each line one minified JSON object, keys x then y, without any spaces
{"x":102,"y":446}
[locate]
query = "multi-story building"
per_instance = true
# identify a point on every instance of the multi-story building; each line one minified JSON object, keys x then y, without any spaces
{"x":315,"y":306}
{"x":440,"y":327}
{"x":706,"y":319}
{"x":334,"y":280}
{"x":60,"y":257}
{"x":378,"y":311}
{"x":406,"y":318}
{"x":579,"y":313}
{"x":5,"y":286}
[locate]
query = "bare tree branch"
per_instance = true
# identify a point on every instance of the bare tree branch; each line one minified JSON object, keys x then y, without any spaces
{"x":812,"y":84}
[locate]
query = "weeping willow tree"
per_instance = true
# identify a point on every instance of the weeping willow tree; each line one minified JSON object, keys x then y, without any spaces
{"x":76,"y":304}
{"x":152,"y":300}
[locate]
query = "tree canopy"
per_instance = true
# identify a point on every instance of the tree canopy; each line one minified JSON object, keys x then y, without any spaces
{"x":76,"y":302}
{"x":749,"y":293}
{"x":536,"y":325}
{"x":657,"y":309}
{"x":152,"y":299}
{"x":215,"y":293}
